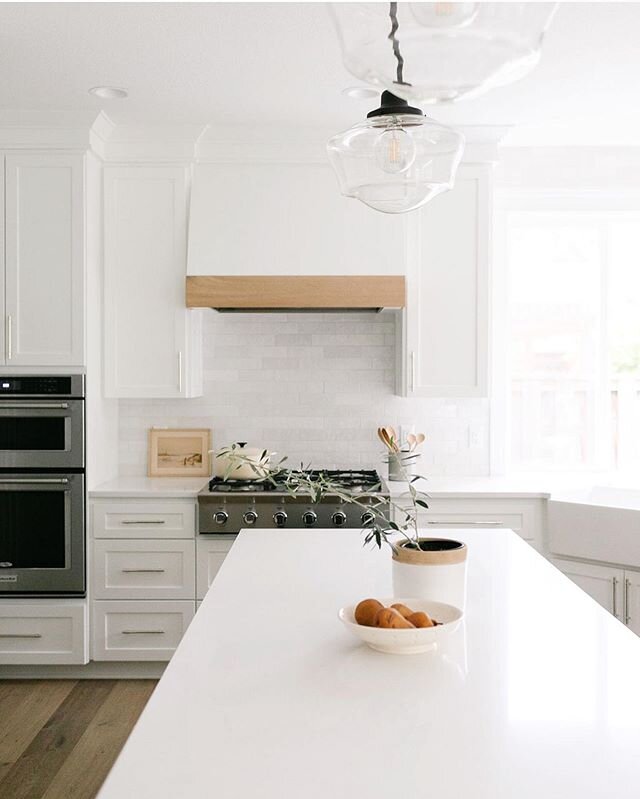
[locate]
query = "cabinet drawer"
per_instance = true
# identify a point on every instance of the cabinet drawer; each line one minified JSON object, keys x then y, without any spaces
{"x":144,"y":519}
{"x":523,"y":516}
{"x":43,"y":633}
{"x":144,"y":569}
{"x":211,"y":552}
{"x":139,"y":630}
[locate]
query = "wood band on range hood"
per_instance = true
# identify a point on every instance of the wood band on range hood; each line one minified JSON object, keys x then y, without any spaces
{"x":299,"y":292}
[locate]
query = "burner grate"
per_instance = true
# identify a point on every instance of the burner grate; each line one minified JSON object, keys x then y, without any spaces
{"x":355,"y":480}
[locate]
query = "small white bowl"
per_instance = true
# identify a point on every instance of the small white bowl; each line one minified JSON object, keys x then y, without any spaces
{"x":406,"y":642}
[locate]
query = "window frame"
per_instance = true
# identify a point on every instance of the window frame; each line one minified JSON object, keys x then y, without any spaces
{"x":544,"y":201}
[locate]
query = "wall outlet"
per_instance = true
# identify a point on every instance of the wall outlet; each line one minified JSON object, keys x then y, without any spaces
{"x":404,"y":431}
{"x":474,"y":437}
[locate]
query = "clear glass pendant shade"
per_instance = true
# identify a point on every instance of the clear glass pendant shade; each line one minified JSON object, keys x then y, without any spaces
{"x":395,"y":163}
{"x":450,"y":50}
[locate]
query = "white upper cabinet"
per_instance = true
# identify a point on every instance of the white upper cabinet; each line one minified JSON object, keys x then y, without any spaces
{"x":152,"y":343}
{"x":446,"y":346}
{"x":286,"y":219}
{"x":44,"y":260}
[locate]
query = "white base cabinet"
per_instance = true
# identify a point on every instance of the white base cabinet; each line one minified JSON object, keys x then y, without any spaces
{"x":47,"y":632}
{"x":143,"y":569}
{"x":523,"y":516}
{"x":616,"y":589}
{"x":211,"y":553}
{"x":143,"y":518}
{"x":140,"y":630}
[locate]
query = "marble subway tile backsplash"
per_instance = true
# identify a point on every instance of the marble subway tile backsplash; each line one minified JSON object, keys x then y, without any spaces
{"x":314,"y":387}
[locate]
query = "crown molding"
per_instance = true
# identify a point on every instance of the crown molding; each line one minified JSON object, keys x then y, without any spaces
{"x":60,"y":130}
{"x":152,"y":143}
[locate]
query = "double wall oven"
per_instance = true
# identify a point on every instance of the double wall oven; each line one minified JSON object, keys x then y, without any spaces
{"x":42,"y":485}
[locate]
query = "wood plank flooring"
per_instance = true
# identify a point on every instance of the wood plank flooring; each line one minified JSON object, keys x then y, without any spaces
{"x":59,"y":738}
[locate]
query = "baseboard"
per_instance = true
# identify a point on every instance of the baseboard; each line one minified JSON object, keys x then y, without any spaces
{"x":92,"y":671}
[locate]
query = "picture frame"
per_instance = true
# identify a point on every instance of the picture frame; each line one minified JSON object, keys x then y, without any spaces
{"x":182,"y":452}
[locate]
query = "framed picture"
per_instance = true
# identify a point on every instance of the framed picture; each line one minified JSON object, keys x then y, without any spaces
{"x":179,"y":453}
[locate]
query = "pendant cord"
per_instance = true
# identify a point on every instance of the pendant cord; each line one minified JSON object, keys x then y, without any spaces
{"x":393,"y":15}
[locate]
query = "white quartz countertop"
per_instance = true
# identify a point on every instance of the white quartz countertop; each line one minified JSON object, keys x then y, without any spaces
{"x":535,"y":697}
{"x":150,"y":487}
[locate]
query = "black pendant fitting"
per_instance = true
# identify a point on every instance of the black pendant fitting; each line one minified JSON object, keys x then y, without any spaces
{"x":390,"y":105}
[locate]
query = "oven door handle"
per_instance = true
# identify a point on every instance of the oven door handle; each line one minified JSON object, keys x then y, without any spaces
{"x":35,"y":406}
{"x":34,"y":480}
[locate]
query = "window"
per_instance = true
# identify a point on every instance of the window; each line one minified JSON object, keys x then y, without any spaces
{"x":573,"y":330}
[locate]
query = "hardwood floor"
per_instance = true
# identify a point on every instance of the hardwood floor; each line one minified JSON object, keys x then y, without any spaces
{"x":59,"y":738}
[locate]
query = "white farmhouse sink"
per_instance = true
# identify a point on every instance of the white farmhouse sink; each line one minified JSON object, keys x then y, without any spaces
{"x":602,"y":523}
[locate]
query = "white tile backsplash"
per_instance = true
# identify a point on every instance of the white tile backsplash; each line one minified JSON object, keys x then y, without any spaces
{"x":314,"y":387}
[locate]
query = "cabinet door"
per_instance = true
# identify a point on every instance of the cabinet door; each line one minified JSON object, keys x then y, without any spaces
{"x":447,"y":292}
{"x":149,"y":335}
{"x":632,"y":601}
{"x":44,"y":259}
{"x":603,"y":583}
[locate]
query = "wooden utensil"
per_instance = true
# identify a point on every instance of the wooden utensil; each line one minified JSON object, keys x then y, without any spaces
{"x":393,"y":438}
{"x":384,"y":436}
{"x":415,"y":440}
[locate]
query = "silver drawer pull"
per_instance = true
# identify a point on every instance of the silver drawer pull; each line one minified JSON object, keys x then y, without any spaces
{"x":627,"y":615}
{"x":143,"y":571}
{"x":143,"y":521}
{"x":35,"y":406}
{"x":34,"y":481}
{"x":20,"y":635}
{"x":454,"y":521}
{"x":143,"y":632}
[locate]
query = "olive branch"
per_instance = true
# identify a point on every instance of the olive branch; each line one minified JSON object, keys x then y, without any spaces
{"x":316,"y":486}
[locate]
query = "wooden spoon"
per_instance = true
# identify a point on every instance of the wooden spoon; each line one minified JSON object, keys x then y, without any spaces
{"x":387,"y":441}
{"x":393,"y":438}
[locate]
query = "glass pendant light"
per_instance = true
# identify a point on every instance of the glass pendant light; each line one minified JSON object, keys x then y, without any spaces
{"x":456,"y":50}
{"x":397,"y":159}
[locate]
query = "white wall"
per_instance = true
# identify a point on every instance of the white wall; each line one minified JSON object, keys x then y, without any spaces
{"x":312,"y":386}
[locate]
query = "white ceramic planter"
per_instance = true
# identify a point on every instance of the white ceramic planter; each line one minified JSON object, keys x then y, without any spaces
{"x":438,"y":574}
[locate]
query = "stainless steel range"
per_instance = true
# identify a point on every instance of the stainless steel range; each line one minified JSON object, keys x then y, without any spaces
{"x":225,"y":507}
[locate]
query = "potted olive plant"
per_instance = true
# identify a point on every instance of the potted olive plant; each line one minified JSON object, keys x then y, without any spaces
{"x":445,"y":578}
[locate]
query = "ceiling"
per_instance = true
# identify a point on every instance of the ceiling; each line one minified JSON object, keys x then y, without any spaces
{"x":278,"y":64}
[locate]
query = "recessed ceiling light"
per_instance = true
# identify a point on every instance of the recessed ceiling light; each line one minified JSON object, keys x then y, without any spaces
{"x":361,"y":92}
{"x":109,"y":92}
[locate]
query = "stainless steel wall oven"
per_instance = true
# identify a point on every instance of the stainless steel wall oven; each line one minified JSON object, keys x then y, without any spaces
{"x":42,"y":485}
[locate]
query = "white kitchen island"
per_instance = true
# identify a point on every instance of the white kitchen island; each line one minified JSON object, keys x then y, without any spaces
{"x":269,"y":697}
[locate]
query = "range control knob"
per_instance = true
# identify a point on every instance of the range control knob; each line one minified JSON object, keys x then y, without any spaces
{"x":339,"y":518}
{"x":250,"y":517}
{"x":220,"y":517}
{"x":367,"y":518}
{"x":280,"y":518}
{"x":309,"y":518}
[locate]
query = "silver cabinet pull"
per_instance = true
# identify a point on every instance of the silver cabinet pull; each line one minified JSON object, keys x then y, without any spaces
{"x":9,"y":342}
{"x":627,"y":615}
{"x":143,"y":632}
{"x":614,"y":595}
{"x":34,"y":406}
{"x":143,"y":521}
{"x":20,"y":635}
{"x":34,"y":480}
{"x":143,"y":571}
{"x":464,"y":521}
{"x":180,"y":373}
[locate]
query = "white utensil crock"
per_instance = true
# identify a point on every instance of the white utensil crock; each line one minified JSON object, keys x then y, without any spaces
{"x":438,"y":573}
